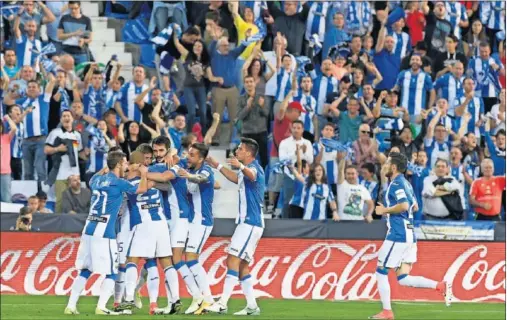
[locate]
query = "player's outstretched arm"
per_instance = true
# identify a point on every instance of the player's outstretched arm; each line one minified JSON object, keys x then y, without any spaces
{"x":199,"y":178}
{"x":228,"y":173}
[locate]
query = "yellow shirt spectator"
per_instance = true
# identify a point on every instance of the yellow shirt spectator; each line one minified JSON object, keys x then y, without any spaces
{"x":242,"y":27}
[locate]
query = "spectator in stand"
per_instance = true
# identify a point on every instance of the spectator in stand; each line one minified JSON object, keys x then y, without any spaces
{"x":445,"y":61}
{"x":352,"y":196}
{"x":76,"y":199}
{"x":75,"y":32}
{"x":10,"y":67}
{"x":318,"y":22}
{"x":367,"y":179}
{"x":437,"y":27}
{"x":335,"y":34}
{"x":402,"y":41}
{"x":255,"y":66}
{"x":43,"y":199}
{"x":416,"y":22}
{"x":496,"y":149}
{"x":41,"y":15}
{"x":290,"y":23}
{"x":486,"y":193}
{"x":59,"y":9}
{"x":94,"y":93}
{"x":497,"y":114}
{"x":36,"y":107}
{"x":61,"y":99}
{"x":197,"y":68}
{"x":471,"y":104}
{"x":385,"y":59}
{"x":457,"y":16}
{"x":365,"y":147}
{"x":349,"y":121}
{"x":67,"y":64}
{"x":422,"y":50}
{"x":289,"y":112}
{"x":289,"y":149}
{"x":126,"y":107}
{"x":26,"y":42}
{"x":457,"y":169}
{"x":475,"y":36}
{"x":100,"y":142}
{"x":449,"y":86}
{"x":308,"y":102}
{"x":414,"y":85}
{"x":223,"y":66}
{"x":485,"y":69}
{"x":33,"y":203}
{"x":327,"y":156}
{"x":130,"y":137}
{"x":253,"y":114}
{"x":64,"y":145}
{"x":15,"y":114}
{"x":418,"y":173}
{"x":5,"y":168}
{"x":437,"y":186}
{"x":492,"y":15}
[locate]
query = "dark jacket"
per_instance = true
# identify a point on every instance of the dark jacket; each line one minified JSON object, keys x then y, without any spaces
{"x":292,"y":27}
{"x":56,"y":159}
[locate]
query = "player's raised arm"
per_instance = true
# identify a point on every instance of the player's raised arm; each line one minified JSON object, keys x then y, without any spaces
{"x":228,"y":173}
{"x":202,"y":177}
{"x":249,"y":173}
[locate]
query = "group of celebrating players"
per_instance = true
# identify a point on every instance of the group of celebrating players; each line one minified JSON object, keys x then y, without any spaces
{"x":165,"y":212}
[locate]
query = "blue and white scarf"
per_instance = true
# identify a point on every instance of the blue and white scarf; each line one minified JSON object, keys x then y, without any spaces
{"x":64,"y":100}
{"x":353,"y":21}
{"x":163,"y":36}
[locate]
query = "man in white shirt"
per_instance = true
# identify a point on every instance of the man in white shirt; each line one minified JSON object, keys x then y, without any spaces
{"x":433,"y":206}
{"x":64,"y":145}
{"x":352,"y":196}
{"x":288,"y":150}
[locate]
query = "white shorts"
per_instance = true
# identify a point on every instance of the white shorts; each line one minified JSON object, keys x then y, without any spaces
{"x":99,"y":255}
{"x":179,"y":232}
{"x":244,"y":241}
{"x":123,"y":237}
{"x":197,"y":237}
{"x":150,"y":239}
{"x":393,"y":254}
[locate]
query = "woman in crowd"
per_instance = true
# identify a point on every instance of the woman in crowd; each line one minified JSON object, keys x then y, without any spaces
{"x":473,"y":38}
{"x":131,"y":138}
{"x":255,"y":66}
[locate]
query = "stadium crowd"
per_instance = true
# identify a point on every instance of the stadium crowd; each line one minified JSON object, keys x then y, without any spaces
{"x":327,"y":89}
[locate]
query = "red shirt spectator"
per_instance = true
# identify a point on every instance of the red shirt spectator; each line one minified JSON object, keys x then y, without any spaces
{"x":281,"y":128}
{"x":486,"y":193}
{"x":415,"y":22}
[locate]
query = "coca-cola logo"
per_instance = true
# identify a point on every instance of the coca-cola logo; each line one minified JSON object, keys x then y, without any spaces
{"x":300,"y":269}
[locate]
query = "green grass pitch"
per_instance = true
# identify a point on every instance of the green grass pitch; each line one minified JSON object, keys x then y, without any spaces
{"x":51,"y":307}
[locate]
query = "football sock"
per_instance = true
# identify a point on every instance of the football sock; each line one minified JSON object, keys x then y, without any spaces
{"x":119,"y":285}
{"x":172,"y":285}
{"x":130,"y":281}
{"x":231,"y":280}
{"x":416,"y":282}
{"x":248,"y":291}
{"x":384,"y":289}
{"x":188,"y":277}
{"x":106,"y":290}
{"x":153,"y":283}
{"x":201,"y":279}
{"x":77,"y":287}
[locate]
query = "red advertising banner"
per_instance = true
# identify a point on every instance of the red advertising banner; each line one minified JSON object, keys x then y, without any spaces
{"x":43,"y":263}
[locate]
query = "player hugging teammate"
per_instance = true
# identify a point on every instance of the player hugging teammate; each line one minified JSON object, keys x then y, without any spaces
{"x":157,"y":222}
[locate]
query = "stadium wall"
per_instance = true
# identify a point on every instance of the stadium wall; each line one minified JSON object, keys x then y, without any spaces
{"x":40,"y":263}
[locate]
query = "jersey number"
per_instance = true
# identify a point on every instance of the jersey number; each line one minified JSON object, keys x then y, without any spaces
{"x":99,"y":195}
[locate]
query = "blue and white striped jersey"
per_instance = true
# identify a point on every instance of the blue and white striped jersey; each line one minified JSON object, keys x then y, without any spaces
{"x":372,"y":187}
{"x":107,"y":197}
{"x":24,"y":54}
{"x":402,"y":43}
{"x":201,"y":197}
{"x":176,"y":203}
{"x":456,"y":12}
{"x":486,"y":79}
{"x":35,"y":122}
{"x":146,"y":206}
{"x":298,"y":199}
{"x":310,"y":104}
{"x":128,"y":94}
{"x":317,"y":20}
{"x":283,"y":84}
{"x":316,"y":198}
{"x":98,"y":154}
{"x":436,"y":150}
{"x":418,"y":175}
{"x":414,"y":88}
{"x":17,"y":140}
{"x":94,"y":102}
{"x":322,"y":86}
{"x":492,"y":14}
{"x":328,"y":161}
{"x":251,"y":196}
{"x":476,"y":109}
{"x":449,"y":88}
{"x":400,"y":226}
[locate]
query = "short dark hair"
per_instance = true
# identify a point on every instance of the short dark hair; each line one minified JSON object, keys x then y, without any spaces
{"x":75,"y":2}
{"x":41,"y":195}
{"x":500,"y":132}
{"x":350,"y":166}
{"x":369,"y":166}
{"x":114,"y":149}
{"x":186,"y":140}
{"x":9,"y":108}
{"x":113,"y":158}
{"x":66,"y":110}
{"x":33,"y":81}
{"x":247,"y":76}
{"x":399,"y":160}
{"x":484,"y":44}
{"x":329,"y":124}
{"x":162,"y":140}
{"x":33,"y":197}
{"x":193,"y":31}
{"x":252,"y":145}
{"x":443,"y":161}
{"x":286,"y":55}
{"x":213,"y":15}
{"x":298,"y":121}
{"x":145,"y":148}
{"x":97,"y":72}
{"x":202,"y":148}
{"x":452,"y":37}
